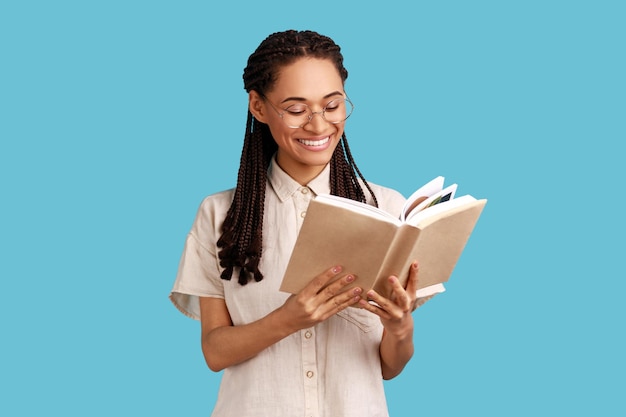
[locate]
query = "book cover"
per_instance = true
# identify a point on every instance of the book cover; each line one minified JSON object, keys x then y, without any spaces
{"x":373,"y":244}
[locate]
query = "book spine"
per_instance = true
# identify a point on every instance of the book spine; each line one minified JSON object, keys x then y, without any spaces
{"x":398,"y":260}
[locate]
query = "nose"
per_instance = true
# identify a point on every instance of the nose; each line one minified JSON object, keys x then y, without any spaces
{"x":316,"y":124}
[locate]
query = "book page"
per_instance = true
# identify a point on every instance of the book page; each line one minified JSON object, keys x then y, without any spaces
{"x":433,"y":186}
{"x":357,"y":207}
{"x":441,"y":207}
{"x":430,"y":290}
{"x":439,"y":197}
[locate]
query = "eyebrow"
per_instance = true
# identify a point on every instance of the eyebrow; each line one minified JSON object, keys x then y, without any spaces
{"x":334,"y":93}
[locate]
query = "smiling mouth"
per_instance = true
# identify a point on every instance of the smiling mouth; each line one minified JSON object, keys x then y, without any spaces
{"x":314,"y":142}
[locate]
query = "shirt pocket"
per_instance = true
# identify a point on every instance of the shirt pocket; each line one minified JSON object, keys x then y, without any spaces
{"x":363,"y":319}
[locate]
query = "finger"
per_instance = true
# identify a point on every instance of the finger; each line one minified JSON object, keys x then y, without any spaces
{"x":337,"y":287}
{"x":374,"y":307}
{"x":402,"y":298}
{"x":382,"y":303}
{"x":320,"y":281}
{"x":411,"y":285}
{"x":343,"y":300}
{"x":335,"y":297}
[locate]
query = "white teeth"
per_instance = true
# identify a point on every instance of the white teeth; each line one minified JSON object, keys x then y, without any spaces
{"x":314,"y":142}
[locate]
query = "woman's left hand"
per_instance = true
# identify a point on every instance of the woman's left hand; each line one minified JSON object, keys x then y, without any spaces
{"x":395,"y":311}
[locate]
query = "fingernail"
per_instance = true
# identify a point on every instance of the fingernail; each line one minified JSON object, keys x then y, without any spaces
{"x":350,"y":278}
{"x":337,"y":269}
{"x":357,"y":291}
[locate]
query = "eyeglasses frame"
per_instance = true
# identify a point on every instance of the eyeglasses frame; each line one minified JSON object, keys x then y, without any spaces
{"x":312,"y":113}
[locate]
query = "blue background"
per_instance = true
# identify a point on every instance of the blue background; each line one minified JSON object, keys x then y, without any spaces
{"x":117,"y":118}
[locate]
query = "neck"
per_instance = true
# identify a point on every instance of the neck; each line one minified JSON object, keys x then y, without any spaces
{"x":301,"y":173}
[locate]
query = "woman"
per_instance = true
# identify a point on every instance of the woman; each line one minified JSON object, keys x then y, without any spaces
{"x":326,"y":350}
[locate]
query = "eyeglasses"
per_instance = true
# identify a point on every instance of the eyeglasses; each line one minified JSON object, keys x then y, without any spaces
{"x":297,"y":115}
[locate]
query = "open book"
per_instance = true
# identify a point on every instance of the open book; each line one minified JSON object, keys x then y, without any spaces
{"x":433,"y":229}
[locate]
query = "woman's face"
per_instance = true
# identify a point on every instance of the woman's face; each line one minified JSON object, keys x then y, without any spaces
{"x":303,"y":152}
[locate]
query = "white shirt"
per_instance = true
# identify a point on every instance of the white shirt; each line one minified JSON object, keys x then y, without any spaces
{"x":332,"y":369}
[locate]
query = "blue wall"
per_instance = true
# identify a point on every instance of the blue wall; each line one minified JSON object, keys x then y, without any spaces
{"x":117,"y":118}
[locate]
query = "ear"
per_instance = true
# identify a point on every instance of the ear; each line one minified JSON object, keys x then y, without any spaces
{"x":257,"y":106}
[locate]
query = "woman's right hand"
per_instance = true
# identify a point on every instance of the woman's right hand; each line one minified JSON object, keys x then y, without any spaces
{"x":225,"y":345}
{"x":319,"y":300}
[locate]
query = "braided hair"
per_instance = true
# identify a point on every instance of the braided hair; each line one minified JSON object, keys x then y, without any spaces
{"x":241,"y":241}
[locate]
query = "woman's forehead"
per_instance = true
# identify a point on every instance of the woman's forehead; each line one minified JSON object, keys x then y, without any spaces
{"x":307,"y":78}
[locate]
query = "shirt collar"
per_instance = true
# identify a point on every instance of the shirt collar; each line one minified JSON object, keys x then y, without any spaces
{"x":284,"y":186}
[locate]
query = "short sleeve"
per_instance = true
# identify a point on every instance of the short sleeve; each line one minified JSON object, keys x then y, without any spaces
{"x":199,"y":271}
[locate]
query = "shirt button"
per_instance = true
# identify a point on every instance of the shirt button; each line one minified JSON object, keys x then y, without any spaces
{"x":308,"y":334}
{"x":304,"y":190}
{"x":302,"y":214}
{"x":309,"y":374}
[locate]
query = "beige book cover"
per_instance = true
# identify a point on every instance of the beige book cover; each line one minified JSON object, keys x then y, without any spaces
{"x":373,"y":245}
